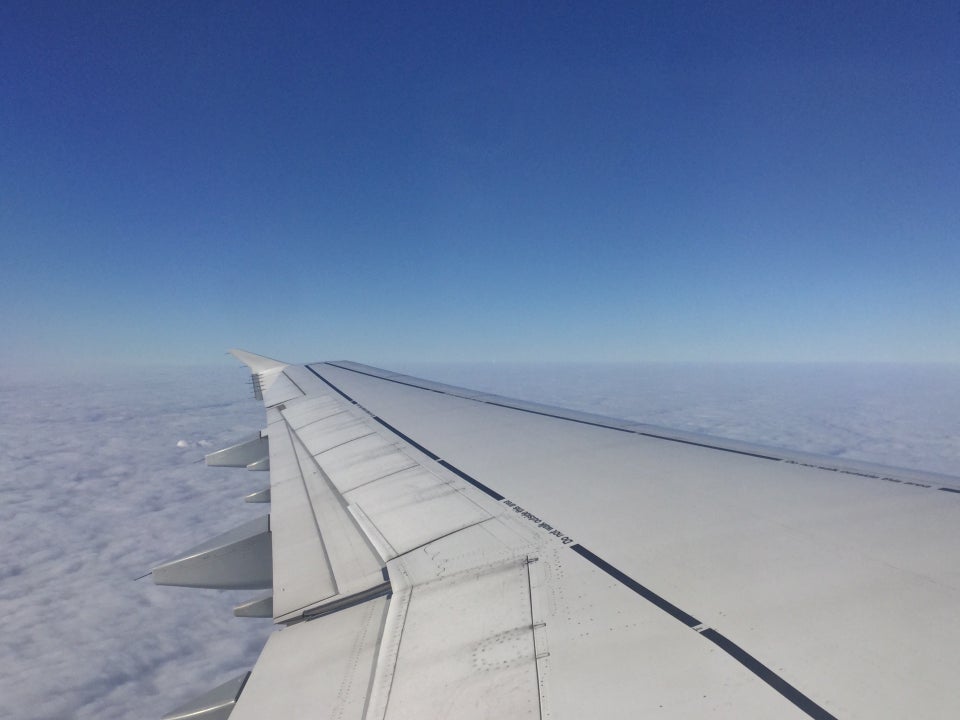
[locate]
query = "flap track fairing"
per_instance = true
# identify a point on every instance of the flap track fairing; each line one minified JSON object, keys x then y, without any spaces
{"x":236,"y":560}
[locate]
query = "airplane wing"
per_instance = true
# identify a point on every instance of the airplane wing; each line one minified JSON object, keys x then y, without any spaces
{"x":435,"y":552}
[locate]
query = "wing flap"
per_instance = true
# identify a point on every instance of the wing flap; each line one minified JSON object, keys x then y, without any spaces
{"x":346,"y":498}
{"x":302,"y":573}
{"x":320,"y":668}
{"x":356,"y":565}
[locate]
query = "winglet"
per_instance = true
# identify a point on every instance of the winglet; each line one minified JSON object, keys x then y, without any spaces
{"x":257,"y":363}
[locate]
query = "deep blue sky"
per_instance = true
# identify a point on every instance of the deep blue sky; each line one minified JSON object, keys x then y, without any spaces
{"x":646,"y":181}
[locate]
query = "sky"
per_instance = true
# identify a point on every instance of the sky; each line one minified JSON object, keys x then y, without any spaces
{"x":101,"y":478}
{"x":510,"y":182}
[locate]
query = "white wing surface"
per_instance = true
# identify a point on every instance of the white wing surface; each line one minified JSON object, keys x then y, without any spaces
{"x":441,"y":553}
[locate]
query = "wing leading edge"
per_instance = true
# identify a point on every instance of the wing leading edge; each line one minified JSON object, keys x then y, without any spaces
{"x":439,"y":552}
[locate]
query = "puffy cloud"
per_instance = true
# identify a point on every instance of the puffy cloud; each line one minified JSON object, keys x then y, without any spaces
{"x":95,"y":490}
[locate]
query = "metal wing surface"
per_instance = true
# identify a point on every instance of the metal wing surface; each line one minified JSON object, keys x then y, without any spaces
{"x":438,"y":553}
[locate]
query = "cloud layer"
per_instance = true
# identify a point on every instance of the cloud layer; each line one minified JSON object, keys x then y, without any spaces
{"x":899,"y":415}
{"x":96,"y":488}
{"x":99,"y":480}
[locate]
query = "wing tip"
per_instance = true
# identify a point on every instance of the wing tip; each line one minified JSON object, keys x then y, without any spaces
{"x":257,"y":363}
